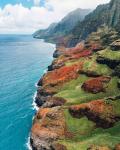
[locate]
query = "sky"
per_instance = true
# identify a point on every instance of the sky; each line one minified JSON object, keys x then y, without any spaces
{"x":27,"y":16}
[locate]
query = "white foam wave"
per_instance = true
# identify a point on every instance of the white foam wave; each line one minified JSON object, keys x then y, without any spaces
{"x":36,"y":85}
{"x":35,"y":107}
{"x":28,"y":144}
{"x":45,"y":71}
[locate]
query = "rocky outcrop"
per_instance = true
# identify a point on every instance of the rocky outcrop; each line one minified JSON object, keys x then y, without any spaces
{"x":117,"y":147}
{"x":60,"y":76}
{"x":58,"y":146}
{"x":96,"y":85}
{"x":98,"y":111}
{"x":107,"y":14}
{"x":78,"y":98}
{"x":117,"y":71}
{"x":115,"y":45}
{"x":109,"y":57}
{"x":53,"y":102}
{"x":111,"y":63}
{"x":48,"y":126}
{"x":94,"y":147}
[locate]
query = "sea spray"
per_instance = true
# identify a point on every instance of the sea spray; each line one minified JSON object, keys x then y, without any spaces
{"x":28,"y":144}
{"x":34,"y":105}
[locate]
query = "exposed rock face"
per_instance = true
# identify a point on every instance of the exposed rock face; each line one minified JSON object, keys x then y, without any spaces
{"x":109,"y":57}
{"x":94,"y":147}
{"x":111,"y":63}
{"x":58,"y":146}
{"x":117,"y":147}
{"x":104,"y":14}
{"x":49,"y":125}
{"x":96,"y":85}
{"x":95,"y":111}
{"x":79,"y":97}
{"x":57,"y":53}
{"x":115,"y":45}
{"x":54,"y":66}
{"x":53,"y":102}
{"x":117,"y":71}
{"x":59,"y":76}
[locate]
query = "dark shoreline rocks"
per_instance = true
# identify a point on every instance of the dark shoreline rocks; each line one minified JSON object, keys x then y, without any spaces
{"x":48,"y":126}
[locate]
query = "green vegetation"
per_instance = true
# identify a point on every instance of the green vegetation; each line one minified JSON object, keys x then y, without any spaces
{"x":98,"y":137}
{"x":85,"y":134}
{"x":96,"y":69}
{"x":74,"y":94}
{"x":116,"y":106}
{"x":109,"y":54}
{"x":104,"y":110}
{"x":78,"y":126}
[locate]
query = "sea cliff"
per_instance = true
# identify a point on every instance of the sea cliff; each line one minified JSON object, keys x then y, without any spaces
{"x":79,"y":97}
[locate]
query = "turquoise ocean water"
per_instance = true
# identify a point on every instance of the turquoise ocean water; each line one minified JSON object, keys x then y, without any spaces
{"x":22,"y":62}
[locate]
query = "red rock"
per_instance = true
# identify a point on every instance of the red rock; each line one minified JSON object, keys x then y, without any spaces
{"x":49,"y":125}
{"x":58,"y":146}
{"x":74,"y":50}
{"x":84,"y":53}
{"x":96,"y":85}
{"x":117,"y":147}
{"x":98,"y":111}
{"x":62,"y":75}
{"x":96,"y":47}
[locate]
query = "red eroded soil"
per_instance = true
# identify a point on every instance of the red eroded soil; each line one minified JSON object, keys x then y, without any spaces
{"x":96,"y":85}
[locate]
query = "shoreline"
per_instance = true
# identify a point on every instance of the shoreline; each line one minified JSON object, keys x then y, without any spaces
{"x":73,"y":96}
{"x":34,"y":103}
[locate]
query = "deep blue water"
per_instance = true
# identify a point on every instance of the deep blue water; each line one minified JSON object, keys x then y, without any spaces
{"x":22,"y":62}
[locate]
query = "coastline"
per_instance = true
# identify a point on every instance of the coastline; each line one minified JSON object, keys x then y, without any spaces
{"x":34,"y":104}
{"x":70,"y":96}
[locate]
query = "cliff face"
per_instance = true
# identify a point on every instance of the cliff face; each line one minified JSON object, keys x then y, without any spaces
{"x":77,"y":25}
{"x":79,"y":97}
{"x":108,"y":14}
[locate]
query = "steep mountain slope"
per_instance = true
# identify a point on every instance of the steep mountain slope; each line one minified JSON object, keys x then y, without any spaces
{"x":108,"y":14}
{"x":79,"y":97}
{"x":64,"y":26}
{"x":45,"y":32}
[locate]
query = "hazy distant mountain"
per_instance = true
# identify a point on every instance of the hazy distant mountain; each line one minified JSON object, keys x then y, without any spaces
{"x":64,"y":26}
{"x":45,"y":32}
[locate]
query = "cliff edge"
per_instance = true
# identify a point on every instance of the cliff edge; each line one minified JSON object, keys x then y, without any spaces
{"x":79,"y":96}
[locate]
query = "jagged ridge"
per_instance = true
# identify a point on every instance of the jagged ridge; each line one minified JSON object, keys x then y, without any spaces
{"x":56,"y":30}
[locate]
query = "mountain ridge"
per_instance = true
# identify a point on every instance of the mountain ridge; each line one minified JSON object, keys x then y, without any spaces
{"x":61,"y":28}
{"x":107,"y":14}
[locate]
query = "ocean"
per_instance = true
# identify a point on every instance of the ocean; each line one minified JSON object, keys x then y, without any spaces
{"x":23,"y":61}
